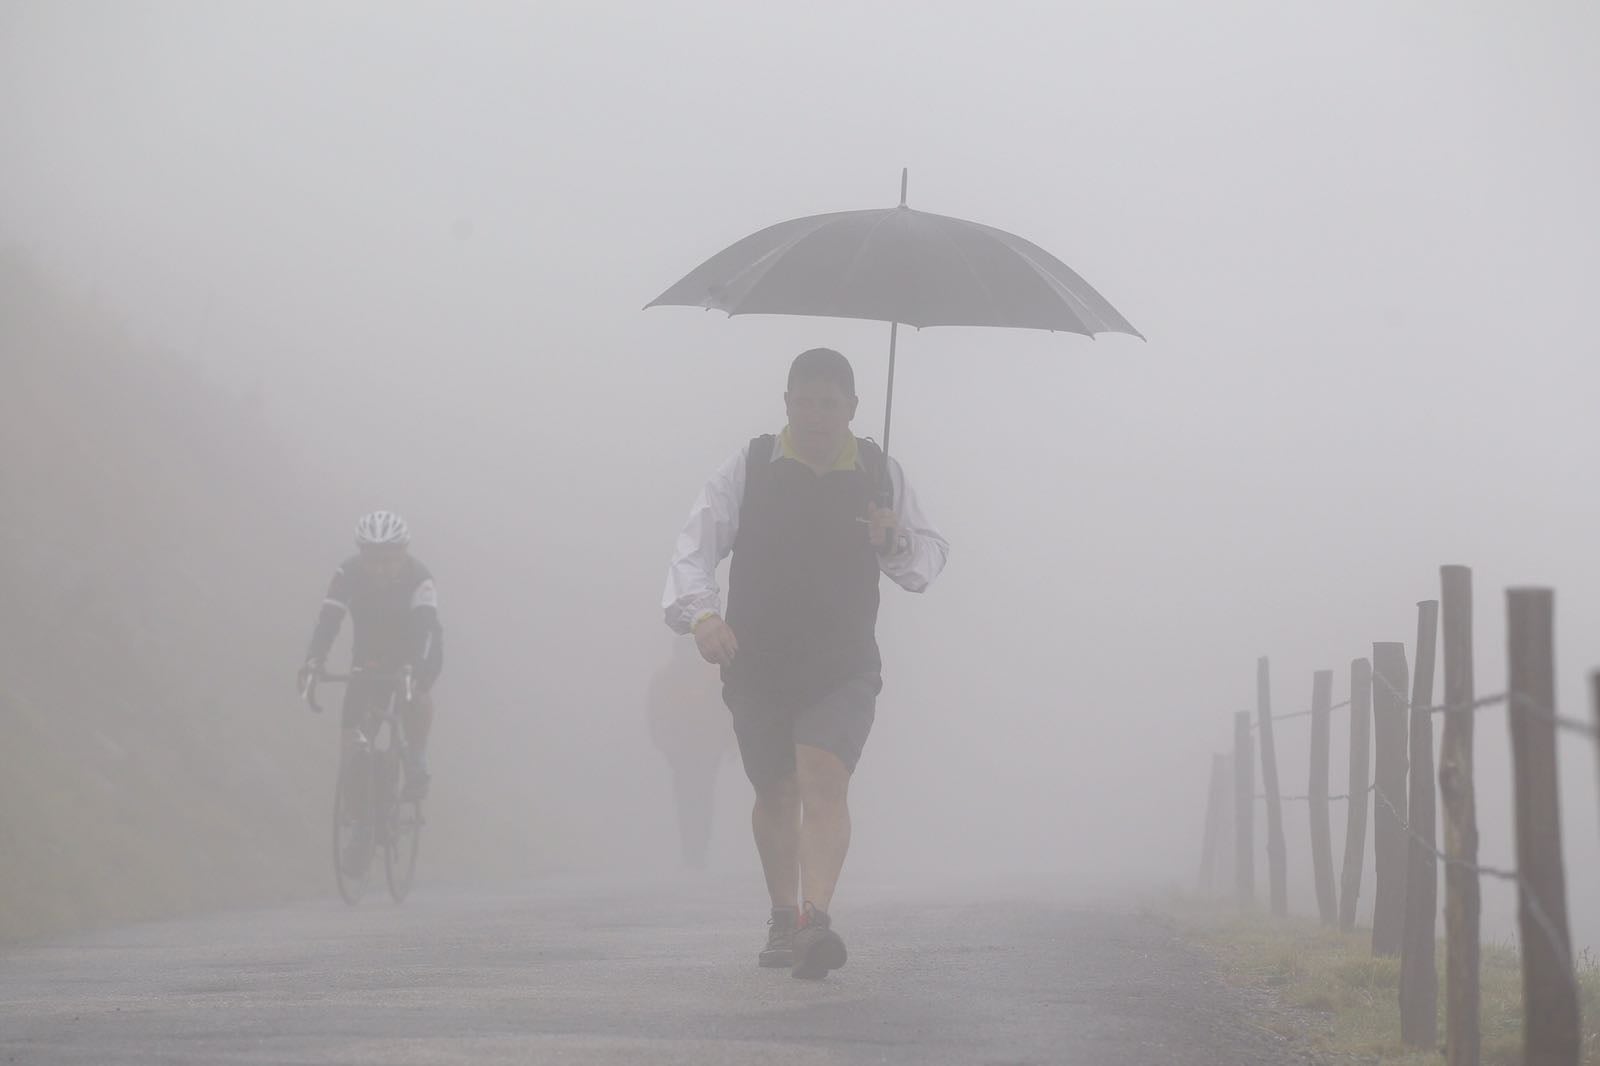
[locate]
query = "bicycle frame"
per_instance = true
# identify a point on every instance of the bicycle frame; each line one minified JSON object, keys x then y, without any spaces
{"x":378,"y":807}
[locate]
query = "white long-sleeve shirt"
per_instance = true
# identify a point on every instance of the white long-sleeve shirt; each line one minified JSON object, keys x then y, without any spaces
{"x":713,"y":525}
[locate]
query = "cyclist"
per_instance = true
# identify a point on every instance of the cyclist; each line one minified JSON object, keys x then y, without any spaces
{"x":394,"y":612}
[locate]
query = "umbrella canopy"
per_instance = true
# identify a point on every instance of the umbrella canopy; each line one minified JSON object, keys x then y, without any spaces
{"x":897,"y":265}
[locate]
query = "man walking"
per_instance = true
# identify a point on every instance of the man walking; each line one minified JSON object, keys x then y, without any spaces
{"x":812,"y":516}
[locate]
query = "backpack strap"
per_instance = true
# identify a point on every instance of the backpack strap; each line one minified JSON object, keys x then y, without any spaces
{"x":759,"y":452}
{"x":757,"y":468}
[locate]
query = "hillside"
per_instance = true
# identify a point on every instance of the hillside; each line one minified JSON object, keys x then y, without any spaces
{"x":155,"y":590}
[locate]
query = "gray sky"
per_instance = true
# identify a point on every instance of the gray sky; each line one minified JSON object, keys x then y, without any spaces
{"x":1361,"y":241}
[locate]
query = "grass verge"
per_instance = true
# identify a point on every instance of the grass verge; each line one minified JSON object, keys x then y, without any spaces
{"x":1346,"y":1003}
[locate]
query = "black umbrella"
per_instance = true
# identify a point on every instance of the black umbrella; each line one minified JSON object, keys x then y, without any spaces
{"x":897,"y":265}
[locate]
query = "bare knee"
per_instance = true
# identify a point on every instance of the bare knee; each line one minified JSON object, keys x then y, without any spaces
{"x":823,"y":779}
{"x":778,"y":796}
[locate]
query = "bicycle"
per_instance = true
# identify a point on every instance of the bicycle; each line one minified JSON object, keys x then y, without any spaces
{"x":368,"y":810}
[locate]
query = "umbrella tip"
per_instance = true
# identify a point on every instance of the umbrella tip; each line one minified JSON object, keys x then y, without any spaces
{"x":904,"y":171}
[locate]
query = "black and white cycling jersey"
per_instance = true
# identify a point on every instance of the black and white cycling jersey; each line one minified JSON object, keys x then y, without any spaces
{"x":395,"y":622}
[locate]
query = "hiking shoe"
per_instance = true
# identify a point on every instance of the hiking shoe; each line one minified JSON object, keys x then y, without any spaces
{"x":780,"y":938}
{"x":817,"y":948}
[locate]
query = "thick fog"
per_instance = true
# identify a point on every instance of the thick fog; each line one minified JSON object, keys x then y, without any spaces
{"x":414,"y":240}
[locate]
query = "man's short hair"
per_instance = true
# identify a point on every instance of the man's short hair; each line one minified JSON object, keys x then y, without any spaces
{"x":823,"y":364}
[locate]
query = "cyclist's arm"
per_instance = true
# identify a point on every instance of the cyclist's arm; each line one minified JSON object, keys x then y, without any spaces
{"x":426,"y":658}
{"x":334,"y":607}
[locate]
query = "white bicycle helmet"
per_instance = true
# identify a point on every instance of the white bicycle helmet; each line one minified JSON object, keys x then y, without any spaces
{"x":382,"y":528}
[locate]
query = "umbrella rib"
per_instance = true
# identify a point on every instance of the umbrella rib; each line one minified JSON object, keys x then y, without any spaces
{"x":772,"y":256}
{"x":1081,"y":308}
{"x":855,"y":257}
{"x":983,"y":286}
{"x":1090,"y":318}
{"x":1073,"y":304}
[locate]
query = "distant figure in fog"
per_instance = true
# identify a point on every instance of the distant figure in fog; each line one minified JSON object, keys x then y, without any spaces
{"x":812,"y":516}
{"x":689,"y":725}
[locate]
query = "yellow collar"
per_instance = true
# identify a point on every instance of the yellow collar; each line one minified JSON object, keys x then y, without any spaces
{"x":848,"y":458}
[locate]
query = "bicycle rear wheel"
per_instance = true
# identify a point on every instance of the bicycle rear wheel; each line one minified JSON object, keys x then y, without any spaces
{"x":354,"y":842}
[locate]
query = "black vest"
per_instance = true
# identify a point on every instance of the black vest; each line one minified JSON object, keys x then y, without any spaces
{"x":803,"y":583}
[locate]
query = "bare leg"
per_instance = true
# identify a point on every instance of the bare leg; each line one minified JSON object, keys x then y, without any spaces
{"x":776,"y":821}
{"x":825,"y":834}
{"x":355,"y":781}
{"x":418,"y":716}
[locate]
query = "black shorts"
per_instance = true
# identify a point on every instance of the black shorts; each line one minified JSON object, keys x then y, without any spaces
{"x":768,"y":731}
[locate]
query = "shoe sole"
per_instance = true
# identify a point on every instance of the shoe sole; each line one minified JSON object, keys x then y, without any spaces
{"x":772,"y":960}
{"x":822,"y":956}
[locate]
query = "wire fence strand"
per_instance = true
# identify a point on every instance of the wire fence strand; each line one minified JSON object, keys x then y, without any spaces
{"x":1522,"y":703}
{"x":1526,"y":894}
{"x":1529,"y":902}
{"x":1302,"y":714}
{"x":1339,"y":798}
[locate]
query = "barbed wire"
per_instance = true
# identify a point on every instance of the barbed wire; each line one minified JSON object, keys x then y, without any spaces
{"x":1494,"y":699}
{"x":1527,"y":895}
{"x":1528,"y":898}
{"x":1559,"y":721}
{"x":1300,"y":714}
{"x":1339,"y":798}
{"x":1572,"y":725}
{"x":1291,"y":714}
{"x":1500,"y":873}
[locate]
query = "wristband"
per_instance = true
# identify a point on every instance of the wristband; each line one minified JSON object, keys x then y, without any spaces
{"x":701,"y":617}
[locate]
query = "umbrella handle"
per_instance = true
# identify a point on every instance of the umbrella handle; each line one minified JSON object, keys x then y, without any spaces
{"x":885,"y":490}
{"x":888,"y":402}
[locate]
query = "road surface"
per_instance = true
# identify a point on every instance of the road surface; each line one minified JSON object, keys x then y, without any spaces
{"x":583,"y":974}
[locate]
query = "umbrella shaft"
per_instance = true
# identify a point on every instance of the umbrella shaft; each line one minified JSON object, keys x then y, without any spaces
{"x":888,"y":403}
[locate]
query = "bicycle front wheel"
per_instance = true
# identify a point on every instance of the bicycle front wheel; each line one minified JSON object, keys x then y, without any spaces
{"x":400,"y":852}
{"x":354,"y":842}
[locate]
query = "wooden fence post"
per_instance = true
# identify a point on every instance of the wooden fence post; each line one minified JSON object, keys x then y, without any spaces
{"x":1550,"y":1033}
{"x":1389,"y":724}
{"x":1355,"y":833}
{"x":1462,"y":1039}
{"x":1317,"y":793}
{"x":1277,"y":859}
{"x":1244,"y":812}
{"x":1419,"y":981}
{"x":1216,"y":807}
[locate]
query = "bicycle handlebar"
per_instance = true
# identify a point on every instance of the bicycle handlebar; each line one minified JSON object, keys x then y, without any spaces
{"x":308,"y":691}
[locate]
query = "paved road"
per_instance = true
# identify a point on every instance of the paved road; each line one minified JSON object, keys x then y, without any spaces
{"x":571,"y":974}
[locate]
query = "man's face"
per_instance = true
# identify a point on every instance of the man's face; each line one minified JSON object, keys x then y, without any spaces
{"x":819,"y":416}
{"x":386,"y":562}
